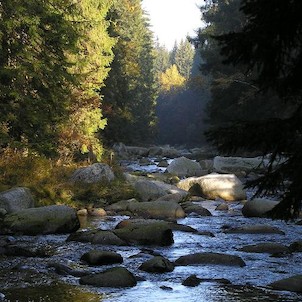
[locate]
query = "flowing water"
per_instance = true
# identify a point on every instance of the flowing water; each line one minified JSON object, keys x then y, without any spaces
{"x":31,"y":279}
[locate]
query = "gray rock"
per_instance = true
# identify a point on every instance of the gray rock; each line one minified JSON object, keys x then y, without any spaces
{"x":44,"y":220}
{"x":266,"y":247}
{"x":239,"y":164}
{"x":157,"y":264}
{"x":65,"y":270}
{"x":258,"y":207}
{"x":163,"y":164}
{"x":149,"y":190}
{"x":99,"y":237}
{"x":191,"y":281}
{"x":16,"y":199}
{"x":184,"y":167}
{"x":158,"y":234}
{"x":190,"y":207}
{"x":117,"y":277}
{"x":225,"y":186}
{"x":163,"y":152}
{"x":173,"y":225}
{"x":96,"y":257}
{"x":222,"y":207}
{"x":93,"y":174}
{"x":210,"y":258}
{"x":254,"y":229}
{"x":293,"y":284}
{"x":157,"y":210}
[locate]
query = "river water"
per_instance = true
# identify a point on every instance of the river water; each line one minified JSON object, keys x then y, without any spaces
{"x":31,"y":279}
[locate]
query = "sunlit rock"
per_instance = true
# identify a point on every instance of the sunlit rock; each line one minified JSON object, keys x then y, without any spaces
{"x":93,"y":174}
{"x":16,"y":199}
{"x":184,"y":167}
{"x":212,"y":186}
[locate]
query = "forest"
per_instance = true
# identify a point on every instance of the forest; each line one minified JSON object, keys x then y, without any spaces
{"x":76,"y":77}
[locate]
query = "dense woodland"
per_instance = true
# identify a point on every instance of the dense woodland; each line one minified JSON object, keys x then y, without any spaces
{"x":78,"y":76}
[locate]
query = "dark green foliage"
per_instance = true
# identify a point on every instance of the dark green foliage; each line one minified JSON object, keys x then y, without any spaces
{"x":274,"y":51}
{"x":34,"y":81}
{"x":129,"y":95}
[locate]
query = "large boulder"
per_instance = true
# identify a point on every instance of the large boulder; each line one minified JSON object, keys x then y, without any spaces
{"x":293,"y":284}
{"x":44,"y":220}
{"x":258,"y":207}
{"x":158,"y":234}
{"x":97,"y":257}
{"x":93,"y":174}
{"x":184,"y":167}
{"x":213,"y":186}
{"x":150,"y":190}
{"x":16,"y":199}
{"x":114,"y":277}
{"x":157,"y":210}
{"x":239,"y":164}
{"x":210,"y":258}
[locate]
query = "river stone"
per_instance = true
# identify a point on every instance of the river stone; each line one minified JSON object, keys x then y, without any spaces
{"x":99,"y":237}
{"x":157,"y":210}
{"x":296,"y":246}
{"x":222,"y":207}
{"x":96,"y":257}
{"x":28,"y":251}
{"x":210,"y":258}
{"x":258,"y":207}
{"x":93,"y":174}
{"x":191,"y":281}
{"x":254,"y":229}
{"x":117,"y":277}
{"x":212,"y":186}
{"x":16,"y":199}
{"x":293,"y":284}
{"x":158,"y":234}
{"x":65,"y":270}
{"x":149,"y":190}
{"x":163,"y":152}
{"x":55,"y":219}
{"x":266,"y":247}
{"x":173,"y":225}
{"x":121,"y":206}
{"x":157,"y":264}
{"x":239,"y":164}
{"x":184,"y":167}
{"x":190,"y":207}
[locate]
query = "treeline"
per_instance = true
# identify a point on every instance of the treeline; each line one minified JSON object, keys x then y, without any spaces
{"x":69,"y":68}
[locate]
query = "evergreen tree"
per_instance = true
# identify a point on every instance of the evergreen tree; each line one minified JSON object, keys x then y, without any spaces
{"x":162,"y":59}
{"x":91,"y":66}
{"x":129,"y":94}
{"x":275,"y":51}
{"x":35,"y":83}
{"x":184,"y":58}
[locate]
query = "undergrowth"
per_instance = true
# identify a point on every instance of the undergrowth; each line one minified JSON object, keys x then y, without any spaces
{"x":49,"y":182}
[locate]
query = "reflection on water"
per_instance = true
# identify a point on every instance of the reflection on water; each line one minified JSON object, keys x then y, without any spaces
{"x":53,"y":293}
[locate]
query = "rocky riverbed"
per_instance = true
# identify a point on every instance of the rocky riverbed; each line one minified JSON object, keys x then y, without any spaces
{"x":217,"y":256}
